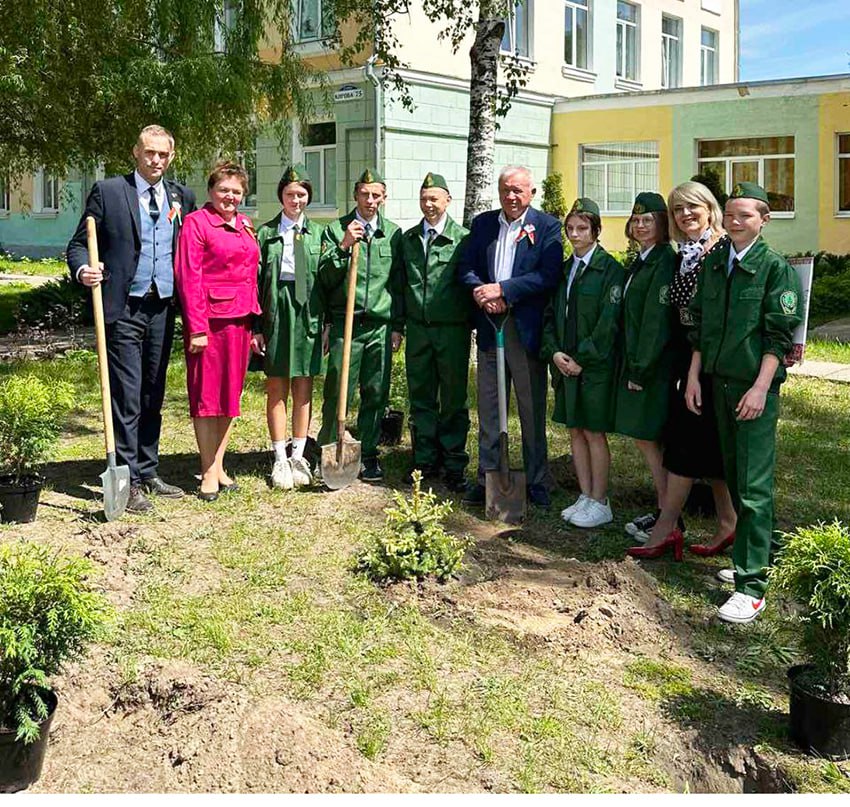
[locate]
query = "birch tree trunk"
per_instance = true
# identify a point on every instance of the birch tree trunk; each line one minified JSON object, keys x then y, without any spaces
{"x":483,"y":94}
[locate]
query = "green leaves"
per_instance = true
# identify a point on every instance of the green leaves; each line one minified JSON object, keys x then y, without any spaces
{"x":31,"y":416}
{"x":413,"y":542}
{"x":49,"y":611}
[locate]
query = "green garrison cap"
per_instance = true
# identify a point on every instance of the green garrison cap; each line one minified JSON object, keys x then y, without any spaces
{"x":749,"y":190}
{"x":434,"y":181}
{"x":295,"y":173}
{"x":585,"y":205}
{"x":369,"y":176}
{"x":647,"y":202}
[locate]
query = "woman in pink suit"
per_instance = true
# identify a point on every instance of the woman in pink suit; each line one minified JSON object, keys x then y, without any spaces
{"x":216,"y":274}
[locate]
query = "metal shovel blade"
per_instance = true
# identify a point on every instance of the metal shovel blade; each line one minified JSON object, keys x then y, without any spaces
{"x":505,"y":496}
{"x":116,"y":491}
{"x":340,"y":464}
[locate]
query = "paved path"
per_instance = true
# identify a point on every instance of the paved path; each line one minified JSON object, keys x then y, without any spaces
{"x":838,"y":330}
{"x":33,"y":280}
{"x":828,"y":370}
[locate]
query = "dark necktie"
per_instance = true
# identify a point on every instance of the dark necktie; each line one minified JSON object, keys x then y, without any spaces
{"x":432,"y":234}
{"x":300,"y":266}
{"x":153,"y":207}
{"x":367,"y":232}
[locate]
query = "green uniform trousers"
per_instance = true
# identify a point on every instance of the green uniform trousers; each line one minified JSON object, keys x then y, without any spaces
{"x":371,"y":352}
{"x":437,"y":361}
{"x":749,"y":458}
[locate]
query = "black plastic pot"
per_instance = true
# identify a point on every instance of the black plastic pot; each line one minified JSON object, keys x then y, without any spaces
{"x":19,"y":500}
{"x":20,"y":765}
{"x":818,"y":725}
{"x":391,"y":426}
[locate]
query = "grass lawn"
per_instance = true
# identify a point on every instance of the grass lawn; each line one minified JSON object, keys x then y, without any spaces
{"x":828,"y":350}
{"x":10,"y":296}
{"x":550,"y":664}
{"x":46,"y":267}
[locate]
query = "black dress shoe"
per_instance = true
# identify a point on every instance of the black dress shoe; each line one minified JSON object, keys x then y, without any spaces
{"x":539,"y":496}
{"x":233,"y":487}
{"x":476,"y":495}
{"x":371,"y":470}
{"x":158,"y":487}
{"x":208,"y":497}
{"x":456,"y":481}
{"x":138,"y":502}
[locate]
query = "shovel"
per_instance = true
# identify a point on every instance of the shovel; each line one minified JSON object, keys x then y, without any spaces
{"x":341,"y":460}
{"x":505,"y":497}
{"x":116,"y":478}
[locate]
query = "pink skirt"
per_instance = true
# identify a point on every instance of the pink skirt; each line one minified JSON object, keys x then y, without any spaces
{"x":216,"y":375}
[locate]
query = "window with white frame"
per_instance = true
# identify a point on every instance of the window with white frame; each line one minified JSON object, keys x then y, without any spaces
{"x":708,"y":57}
{"x":314,"y":21}
{"x":5,"y":200}
{"x":319,"y":145}
{"x":612,"y":174}
{"x":248,"y":160}
{"x":627,"y":40}
{"x":517,"y":37}
{"x":45,"y":192}
{"x":769,"y":161}
{"x":671,"y":52}
{"x":843,"y":156}
{"x":577,"y":33}
{"x":225,"y":22}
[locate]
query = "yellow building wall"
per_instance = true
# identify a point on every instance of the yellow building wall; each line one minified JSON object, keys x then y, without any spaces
{"x":570,"y":130}
{"x":834,"y":117}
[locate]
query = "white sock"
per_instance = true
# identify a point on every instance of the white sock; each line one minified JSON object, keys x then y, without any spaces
{"x":279,"y":448}
{"x":298,"y":444}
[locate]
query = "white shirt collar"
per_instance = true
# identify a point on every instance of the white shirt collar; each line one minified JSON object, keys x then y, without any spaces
{"x":740,"y":255}
{"x":142,"y":185}
{"x":646,"y":252}
{"x":373,"y":222}
{"x":286,"y":223}
{"x":439,"y":226}
{"x":515,"y":224}
{"x":586,"y":257}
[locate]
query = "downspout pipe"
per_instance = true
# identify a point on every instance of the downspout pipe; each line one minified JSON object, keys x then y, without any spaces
{"x":369,"y":70}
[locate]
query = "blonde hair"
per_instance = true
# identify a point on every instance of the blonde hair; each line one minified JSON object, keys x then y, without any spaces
{"x":155,"y":131}
{"x":693,"y":193}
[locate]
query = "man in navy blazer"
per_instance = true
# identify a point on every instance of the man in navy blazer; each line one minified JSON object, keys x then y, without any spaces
{"x":512,"y":264}
{"x":138,"y":219}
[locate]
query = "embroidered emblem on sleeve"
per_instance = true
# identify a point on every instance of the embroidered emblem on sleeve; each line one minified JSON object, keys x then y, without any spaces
{"x":664,"y":295}
{"x":788,"y":301}
{"x":616,"y":294}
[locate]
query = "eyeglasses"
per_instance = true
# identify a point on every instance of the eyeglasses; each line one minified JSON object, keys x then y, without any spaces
{"x":643,"y":221}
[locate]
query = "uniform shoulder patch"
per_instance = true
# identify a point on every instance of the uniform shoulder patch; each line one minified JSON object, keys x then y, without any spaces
{"x":788,"y":301}
{"x":664,"y":295}
{"x":616,"y":294}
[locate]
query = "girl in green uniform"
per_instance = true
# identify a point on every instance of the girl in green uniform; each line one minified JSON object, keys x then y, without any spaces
{"x":288,"y":331}
{"x":580,"y":328}
{"x":644,"y":361}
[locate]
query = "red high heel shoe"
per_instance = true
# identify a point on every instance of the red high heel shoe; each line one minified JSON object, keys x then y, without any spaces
{"x":675,"y":541}
{"x":708,"y":551}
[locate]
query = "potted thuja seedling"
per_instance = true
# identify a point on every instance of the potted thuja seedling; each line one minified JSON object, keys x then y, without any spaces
{"x":31,"y":416}
{"x":813,"y":568}
{"x":49,"y":612}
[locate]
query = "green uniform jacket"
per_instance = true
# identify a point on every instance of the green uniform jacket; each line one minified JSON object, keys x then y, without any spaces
{"x":587,"y":333}
{"x":380,"y":273}
{"x":433,"y":294}
{"x":647,"y":316}
{"x":740,"y":318}
{"x":271,"y":253}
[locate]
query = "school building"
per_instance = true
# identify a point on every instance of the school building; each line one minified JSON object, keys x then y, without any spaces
{"x":572,"y":48}
{"x":792,"y":137}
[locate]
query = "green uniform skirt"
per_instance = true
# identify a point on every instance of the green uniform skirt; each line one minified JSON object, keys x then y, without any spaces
{"x":293,"y":343}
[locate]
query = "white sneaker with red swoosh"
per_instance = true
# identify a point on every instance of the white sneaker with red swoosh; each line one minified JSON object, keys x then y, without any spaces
{"x":741,"y":608}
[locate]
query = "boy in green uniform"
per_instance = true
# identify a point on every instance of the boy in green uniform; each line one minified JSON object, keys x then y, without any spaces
{"x":377,"y":309}
{"x":436,"y":312}
{"x":745,"y":310}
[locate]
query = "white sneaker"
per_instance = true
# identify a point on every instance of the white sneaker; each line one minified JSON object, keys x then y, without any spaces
{"x":726,"y":576}
{"x":282,"y":475}
{"x":301,"y":476}
{"x":593,"y":514}
{"x":641,"y":527}
{"x":567,"y":512}
{"x":740,"y":608}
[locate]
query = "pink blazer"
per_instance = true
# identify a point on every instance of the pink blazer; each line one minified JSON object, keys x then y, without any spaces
{"x":216,"y":269}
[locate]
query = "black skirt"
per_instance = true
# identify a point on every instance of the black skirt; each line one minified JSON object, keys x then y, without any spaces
{"x":691,"y":442}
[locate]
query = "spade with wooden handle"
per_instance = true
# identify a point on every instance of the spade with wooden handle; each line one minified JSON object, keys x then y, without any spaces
{"x":116,"y":478}
{"x":341,"y":460}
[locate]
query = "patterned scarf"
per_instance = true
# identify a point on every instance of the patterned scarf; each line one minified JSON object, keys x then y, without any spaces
{"x":691,"y":252}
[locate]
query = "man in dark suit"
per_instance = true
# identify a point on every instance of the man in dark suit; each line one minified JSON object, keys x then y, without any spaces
{"x":138,"y":222}
{"x":512,"y":264}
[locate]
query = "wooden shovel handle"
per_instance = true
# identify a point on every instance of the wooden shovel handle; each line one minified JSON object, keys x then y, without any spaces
{"x":100,"y":338}
{"x":351,"y":293}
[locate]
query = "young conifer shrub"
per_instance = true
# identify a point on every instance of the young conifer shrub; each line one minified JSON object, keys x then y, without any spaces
{"x":413,"y":542}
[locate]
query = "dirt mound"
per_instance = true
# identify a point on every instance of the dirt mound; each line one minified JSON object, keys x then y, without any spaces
{"x":175,"y":729}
